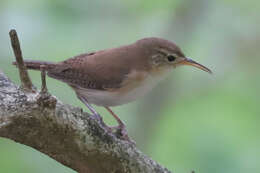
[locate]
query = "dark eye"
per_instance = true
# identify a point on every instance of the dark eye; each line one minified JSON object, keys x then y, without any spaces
{"x":171,"y":58}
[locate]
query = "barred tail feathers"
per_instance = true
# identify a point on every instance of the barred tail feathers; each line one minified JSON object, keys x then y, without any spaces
{"x":35,"y":65}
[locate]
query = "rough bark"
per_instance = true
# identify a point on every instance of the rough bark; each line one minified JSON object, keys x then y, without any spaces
{"x":63,"y":132}
{"x":66,"y":133}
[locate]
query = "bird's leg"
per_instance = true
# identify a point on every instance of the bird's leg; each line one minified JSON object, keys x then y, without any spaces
{"x":121,"y":125}
{"x":94,"y":112}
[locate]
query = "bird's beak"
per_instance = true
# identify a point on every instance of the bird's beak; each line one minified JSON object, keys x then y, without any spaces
{"x":188,"y":61}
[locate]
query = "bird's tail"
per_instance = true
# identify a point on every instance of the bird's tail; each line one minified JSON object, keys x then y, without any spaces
{"x":36,"y":65}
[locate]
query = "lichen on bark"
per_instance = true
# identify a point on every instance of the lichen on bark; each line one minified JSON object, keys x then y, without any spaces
{"x":66,"y":133}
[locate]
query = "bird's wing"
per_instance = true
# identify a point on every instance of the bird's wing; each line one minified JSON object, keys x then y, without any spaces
{"x":82,"y":71}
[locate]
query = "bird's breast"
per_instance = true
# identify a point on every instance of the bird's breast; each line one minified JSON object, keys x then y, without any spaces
{"x":136,"y":85}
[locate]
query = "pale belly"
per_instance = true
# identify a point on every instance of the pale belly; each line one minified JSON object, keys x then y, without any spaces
{"x":115,"y":98}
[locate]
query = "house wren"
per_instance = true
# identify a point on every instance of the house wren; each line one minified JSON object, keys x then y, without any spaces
{"x":117,"y":76}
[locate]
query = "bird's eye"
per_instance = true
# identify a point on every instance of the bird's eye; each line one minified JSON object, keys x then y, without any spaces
{"x":171,"y":58}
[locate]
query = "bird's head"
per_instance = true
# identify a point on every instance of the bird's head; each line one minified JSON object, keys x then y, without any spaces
{"x":164,"y":54}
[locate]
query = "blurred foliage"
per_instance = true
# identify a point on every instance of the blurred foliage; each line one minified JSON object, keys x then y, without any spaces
{"x":191,"y":120}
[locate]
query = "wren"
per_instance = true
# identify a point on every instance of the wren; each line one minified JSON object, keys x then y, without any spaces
{"x":117,"y":76}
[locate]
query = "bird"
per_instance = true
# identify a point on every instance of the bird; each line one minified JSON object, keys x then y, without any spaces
{"x":116,"y":76}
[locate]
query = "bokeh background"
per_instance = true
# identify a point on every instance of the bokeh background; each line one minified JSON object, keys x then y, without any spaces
{"x":192,"y":120}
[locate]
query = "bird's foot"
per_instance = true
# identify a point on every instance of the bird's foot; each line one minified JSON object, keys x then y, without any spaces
{"x":99,"y":119}
{"x":121,"y":132}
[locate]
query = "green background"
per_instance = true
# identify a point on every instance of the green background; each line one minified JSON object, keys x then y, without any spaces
{"x":191,"y":120}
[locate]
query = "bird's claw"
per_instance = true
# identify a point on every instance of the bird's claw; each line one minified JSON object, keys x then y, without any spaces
{"x":121,"y":133}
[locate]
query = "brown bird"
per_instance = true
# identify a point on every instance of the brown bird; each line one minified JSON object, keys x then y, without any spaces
{"x":117,"y":76}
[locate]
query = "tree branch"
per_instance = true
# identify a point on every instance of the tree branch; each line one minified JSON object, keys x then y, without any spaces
{"x":66,"y":133}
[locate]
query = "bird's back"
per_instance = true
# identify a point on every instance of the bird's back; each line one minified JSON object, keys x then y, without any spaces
{"x":98,"y":70}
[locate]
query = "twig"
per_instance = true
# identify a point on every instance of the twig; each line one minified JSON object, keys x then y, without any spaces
{"x":45,"y":99}
{"x":43,"y":76}
{"x":25,"y":79}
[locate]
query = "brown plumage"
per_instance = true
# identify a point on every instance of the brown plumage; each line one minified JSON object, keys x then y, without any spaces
{"x":119,"y":75}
